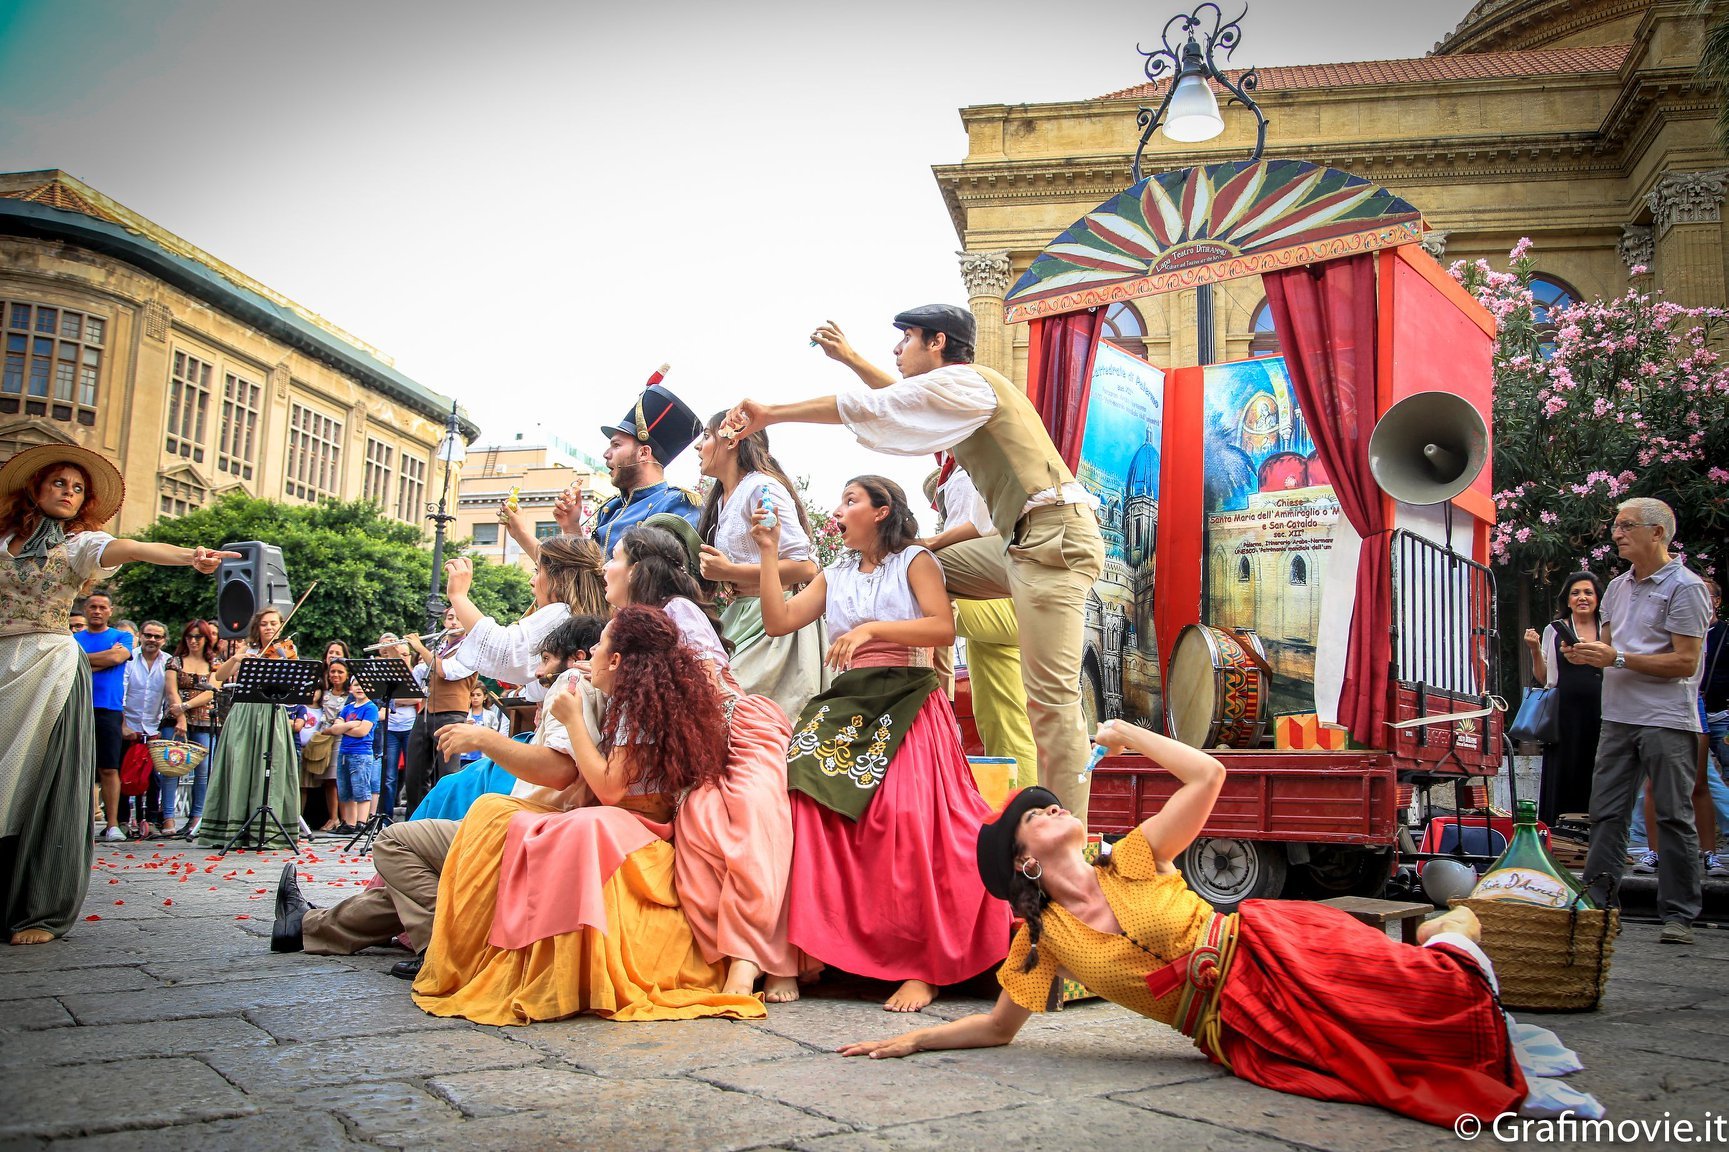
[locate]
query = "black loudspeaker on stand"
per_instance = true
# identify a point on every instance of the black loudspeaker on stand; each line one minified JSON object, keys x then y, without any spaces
{"x":248,"y":585}
{"x":385,"y":680}
{"x":276,"y":683}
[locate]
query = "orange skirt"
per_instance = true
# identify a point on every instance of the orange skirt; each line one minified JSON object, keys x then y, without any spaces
{"x":646,"y":966}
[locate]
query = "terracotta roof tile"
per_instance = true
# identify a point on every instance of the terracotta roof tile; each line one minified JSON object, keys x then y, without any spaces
{"x":1424,"y":69}
{"x":58,"y":194}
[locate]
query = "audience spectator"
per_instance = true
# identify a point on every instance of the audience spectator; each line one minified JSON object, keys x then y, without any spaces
{"x":327,"y":710}
{"x":397,"y":727}
{"x":146,"y":698}
{"x":107,"y":649}
{"x":485,"y":715}
{"x":76,"y":620}
{"x":1567,"y":763}
{"x":191,"y":698}
{"x":1654,"y":619}
{"x":357,"y":767}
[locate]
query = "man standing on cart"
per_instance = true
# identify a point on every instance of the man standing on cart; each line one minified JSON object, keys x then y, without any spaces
{"x":1048,"y":551}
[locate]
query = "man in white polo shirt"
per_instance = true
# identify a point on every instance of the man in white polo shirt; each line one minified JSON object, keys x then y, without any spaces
{"x":1654,"y":619}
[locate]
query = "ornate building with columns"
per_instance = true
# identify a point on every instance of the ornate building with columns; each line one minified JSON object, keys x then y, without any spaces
{"x":1576,"y":123}
{"x":192,"y":377}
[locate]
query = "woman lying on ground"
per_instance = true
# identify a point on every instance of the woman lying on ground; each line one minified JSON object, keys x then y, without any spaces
{"x":546,"y":914}
{"x":1293,"y":996}
{"x":734,"y":835}
{"x":885,"y":811}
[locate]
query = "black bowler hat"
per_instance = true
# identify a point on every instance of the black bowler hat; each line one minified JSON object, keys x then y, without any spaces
{"x":955,"y":323}
{"x":997,"y":838}
{"x":661,"y":420}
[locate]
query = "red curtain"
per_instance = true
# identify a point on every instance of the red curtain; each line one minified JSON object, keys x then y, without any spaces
{"x":1061,"y":375}
{"x":1324,"y":315}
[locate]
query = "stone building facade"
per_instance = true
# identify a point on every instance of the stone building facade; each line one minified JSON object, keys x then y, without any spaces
{"x":1577,"y":123}
{"x":538,"y":467}
{"x":192,"y":377}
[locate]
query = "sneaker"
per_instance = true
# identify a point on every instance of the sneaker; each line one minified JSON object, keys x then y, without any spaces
{"x":1647,"y":862}
{"x":1676,"y":932}
{"x":1715,"y":865}
{"x":114,"y":832}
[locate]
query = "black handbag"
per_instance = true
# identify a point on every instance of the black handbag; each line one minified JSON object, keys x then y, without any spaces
{"x":1539,"y":720}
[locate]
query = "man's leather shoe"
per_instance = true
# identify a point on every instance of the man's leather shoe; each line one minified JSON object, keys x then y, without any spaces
{"x":407,"y":969}
{"x":291,"y":909}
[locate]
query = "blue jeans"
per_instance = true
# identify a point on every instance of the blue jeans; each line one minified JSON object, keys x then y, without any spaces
{"x":1639,"y":840}
{"x":205,"y":738}
{"x":356,"y":772}
{"x":395,"y":748}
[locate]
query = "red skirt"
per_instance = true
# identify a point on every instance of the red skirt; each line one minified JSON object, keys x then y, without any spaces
{"x":897,"y":895}
{"x":1321,"y":1005}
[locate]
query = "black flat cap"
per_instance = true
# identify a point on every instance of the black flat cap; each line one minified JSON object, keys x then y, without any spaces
{"x":997,"y":838}
{"x":956,"y":323}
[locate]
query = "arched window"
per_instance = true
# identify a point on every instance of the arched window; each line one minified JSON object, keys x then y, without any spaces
{"x":1263,"y":341}
{"x":1123,"y":328}
{"x":1299,"y":571}
{"x":1549,"y":296}
{"x":1243,"y":573}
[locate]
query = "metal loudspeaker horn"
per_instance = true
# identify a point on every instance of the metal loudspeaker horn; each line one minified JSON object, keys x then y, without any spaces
{"x":1428,"y":448}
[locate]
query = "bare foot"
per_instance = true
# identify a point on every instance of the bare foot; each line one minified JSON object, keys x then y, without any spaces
{"x":1461,"y":920}
{"x":740,"y":978}
{"x":780,"y":989}
{"x":32,"y":936}
{"x":910,"y":997}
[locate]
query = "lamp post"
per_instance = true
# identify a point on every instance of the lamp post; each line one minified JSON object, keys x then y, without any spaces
{"x":1189,"y":113}
{"x":452,"y":450}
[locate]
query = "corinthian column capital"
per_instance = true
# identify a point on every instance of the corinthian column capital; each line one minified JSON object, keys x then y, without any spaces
{"x":985,"y":273}
{"x":1688,"y":198}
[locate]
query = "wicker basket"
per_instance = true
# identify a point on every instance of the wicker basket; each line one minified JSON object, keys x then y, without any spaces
{"x":1547,"y":959}
{"x":176,"y":758}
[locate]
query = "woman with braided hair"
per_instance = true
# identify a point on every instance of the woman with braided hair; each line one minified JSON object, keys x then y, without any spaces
{"x":1292,"y":996}
{"x":544,"y":914}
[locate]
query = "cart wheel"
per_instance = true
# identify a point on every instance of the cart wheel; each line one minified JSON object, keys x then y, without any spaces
{"x":1224,"y":872}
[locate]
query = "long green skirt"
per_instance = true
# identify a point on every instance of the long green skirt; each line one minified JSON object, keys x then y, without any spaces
{"x":47,"y":857}
{"x":237,"y":778}
{"x":787,"y":669}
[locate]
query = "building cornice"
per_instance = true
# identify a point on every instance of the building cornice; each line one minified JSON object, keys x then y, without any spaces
{"x":33,"y":221}
{"x":1509,"y":25}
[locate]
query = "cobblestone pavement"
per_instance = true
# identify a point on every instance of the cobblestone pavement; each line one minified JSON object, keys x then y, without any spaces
{"x":163,"y":1022}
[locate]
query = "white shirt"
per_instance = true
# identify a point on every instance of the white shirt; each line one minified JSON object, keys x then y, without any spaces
{"x":883,"y":593}
{"x":510,"y":653}
{"x":930,"y":413}
{"x":144,"y":694}
{"x":962,"y":504}
{"x":696,"y":631}
{"x":737,"y":514}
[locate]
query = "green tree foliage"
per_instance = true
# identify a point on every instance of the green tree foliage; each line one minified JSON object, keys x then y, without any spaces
{"x":1714,"y":60}
{"x":373,"y":572}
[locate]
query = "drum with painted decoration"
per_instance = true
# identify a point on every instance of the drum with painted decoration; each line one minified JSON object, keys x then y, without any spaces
{"x":1216,"y":688}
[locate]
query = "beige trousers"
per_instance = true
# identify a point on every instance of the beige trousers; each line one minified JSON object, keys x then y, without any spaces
{"x":1055,"y":558}
{"x":409,"y":856}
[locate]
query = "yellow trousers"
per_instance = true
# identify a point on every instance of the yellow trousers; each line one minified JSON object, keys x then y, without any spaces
{"x":994,"y":667}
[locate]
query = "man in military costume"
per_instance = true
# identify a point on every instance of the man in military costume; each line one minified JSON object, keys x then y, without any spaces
{"x":1048,"y":550}
{"x":657,"y":428}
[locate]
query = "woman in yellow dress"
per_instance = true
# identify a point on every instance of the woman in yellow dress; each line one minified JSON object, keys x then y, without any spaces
{"x":544,"y":914}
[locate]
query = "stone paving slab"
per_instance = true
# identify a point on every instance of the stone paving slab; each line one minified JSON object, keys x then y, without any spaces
{"x":866,"y":1093}
{"x":374,"y":1018}
{"x":29,"y":1015}
{"x":288,"y":1067}
{"x":1294,"y":1119}
{"x":217,"y":999}
{"x":266,"y":1132}
{"x":669,"y":1047}
{"x":124,"y":1041}
{"x":125,"y":1094}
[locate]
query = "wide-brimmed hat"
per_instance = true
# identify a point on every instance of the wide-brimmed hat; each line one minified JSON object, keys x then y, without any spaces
{"x":661,"y":420}
{"x":107,"y":490}
{"x":997,"y":838}
{"x":680,"y":527}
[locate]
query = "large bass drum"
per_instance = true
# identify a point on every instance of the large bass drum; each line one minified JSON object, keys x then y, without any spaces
{"x":1216,"y":688}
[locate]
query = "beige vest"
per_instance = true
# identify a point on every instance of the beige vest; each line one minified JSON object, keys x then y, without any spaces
{"x":1011,"y":457}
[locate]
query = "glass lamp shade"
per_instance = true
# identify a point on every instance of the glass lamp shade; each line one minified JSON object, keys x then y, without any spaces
{"x":452,"y":450}
{"x":1194,"y":112}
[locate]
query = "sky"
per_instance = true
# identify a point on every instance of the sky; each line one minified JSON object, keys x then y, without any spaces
{"x":531,"y":205}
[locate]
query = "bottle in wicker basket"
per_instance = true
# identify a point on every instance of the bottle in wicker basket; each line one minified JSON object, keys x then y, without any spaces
{"x":1527,"y":874}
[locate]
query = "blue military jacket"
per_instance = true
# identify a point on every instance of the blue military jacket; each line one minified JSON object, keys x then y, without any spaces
{"x":621,"y":513}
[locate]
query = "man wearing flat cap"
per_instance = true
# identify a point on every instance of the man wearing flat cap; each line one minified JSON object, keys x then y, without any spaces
{"x":1047,"y":552}
{"x":657,"y":428}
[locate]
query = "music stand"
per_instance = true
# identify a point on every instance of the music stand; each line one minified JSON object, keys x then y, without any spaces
{"x":277,"y":683}
{"x":385,"y":679}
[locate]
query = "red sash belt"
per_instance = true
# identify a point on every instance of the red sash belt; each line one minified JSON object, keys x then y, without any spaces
{"x":1198,"y":974}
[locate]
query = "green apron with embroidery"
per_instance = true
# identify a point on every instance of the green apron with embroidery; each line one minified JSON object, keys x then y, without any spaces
{"x":845,"y":738}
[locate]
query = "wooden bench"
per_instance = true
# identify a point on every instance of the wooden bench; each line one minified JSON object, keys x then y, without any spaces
{"x":1380,"y":913}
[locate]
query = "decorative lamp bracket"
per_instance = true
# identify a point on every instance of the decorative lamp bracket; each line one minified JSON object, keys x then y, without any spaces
{"x":1197,"y":57}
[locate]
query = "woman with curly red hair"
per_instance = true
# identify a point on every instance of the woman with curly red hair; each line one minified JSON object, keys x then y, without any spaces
{"x":615,"y":941}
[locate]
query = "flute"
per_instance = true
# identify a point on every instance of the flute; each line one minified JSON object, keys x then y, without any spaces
{"x":421,"y":636}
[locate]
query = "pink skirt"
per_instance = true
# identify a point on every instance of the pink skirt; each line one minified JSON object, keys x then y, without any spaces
{"x":897,"y":895}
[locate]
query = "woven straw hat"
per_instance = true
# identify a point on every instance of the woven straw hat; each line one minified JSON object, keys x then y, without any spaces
{"x":107,"y":490}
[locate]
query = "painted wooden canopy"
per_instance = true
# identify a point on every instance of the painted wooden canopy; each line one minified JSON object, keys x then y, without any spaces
{"x":1177,"y":230}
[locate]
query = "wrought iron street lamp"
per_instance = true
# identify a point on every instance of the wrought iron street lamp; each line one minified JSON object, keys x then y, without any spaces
{"x":1189,"y":113}
{"x":452,"y":450}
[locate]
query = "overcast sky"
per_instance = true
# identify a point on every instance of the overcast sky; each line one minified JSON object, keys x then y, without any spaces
{"x":531,"y":205}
